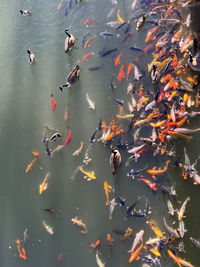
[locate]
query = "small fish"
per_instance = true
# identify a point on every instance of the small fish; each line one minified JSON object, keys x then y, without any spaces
{"x":118,"y":59}
{"x":30,"y":165}
{"x":66,"y":115}
{"x":78,"y":151}
{"x":182,"y":209}
{"x":118,"y":101}
{"x":110,"y":242}
{"x":31,"y":56}
{"x":119,"y":18}
{"x":136,"y":49}
{"x":78,"y":222}
{"x":98,"y":260}
{"x":108,"y":34}
{"x":89,"y":41}
{"x":91,"y":104}
{"x":60,"y":257}
{"x":51,"y":211}
{"x":112,"y":207}
{"x":96,"y":245}
{"x":68,"y":139}
{"x":121,"y":73}
{"x":84,"y":39}
{"x":25,"y":13}
{"x":89,"y":175}
{"x":137,"y":239}
{"x":195,"y":242}
{"x":53,"y":103}
{"x":170,"y":207}
{"x":21,"y":250}
{"x":92,"y":139}
{"x":88,"y":21}
{"x":44,"y":184}
{"x":127,"y":116}
{"x":181,"y":228}
{"x":25,"y":235}
{"x":87,"y":56}
{"x":113,"y":24}
{"x":107,"y":189}
{"x":48,"y":228}
{"x":137,"y":73}
{"x":107,"y":53}
{"x":58,"y":148}
{"x":127,"y":234}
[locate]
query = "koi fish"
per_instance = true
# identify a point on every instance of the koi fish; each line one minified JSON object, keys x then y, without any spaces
{"x":21,"y":250}
{"x":130,"y":66}
{"x":137,"y":239}
{"x":58,"y":148}
{"x":118,"y":59}
{"x":127,"y":116}
{"x":53,"y":103}
{"x":88,"y":22}
{"x":89,"y":175}
{"x":128,"y":233}
{"x":155,"y":172}
{"x":137,"y":73}
{"x":78,"y":222}
{"x":119,"y":18}
{"x":182,"y":209}
{"x":66,"y":115}
{"x":135,"y":254}
{"x":36,"y":154}
{"x":170,"y":230}
{"x":51,"y":211}
{"x":155,"y":251}
{"x":44,"y":184}
{"x":112,"y":207}
{"x":48,"y":228}
{"x":99,"y":262}
{"x":153,"y":226}
{"x":175,"y":258}
{"x":30,"y":165}
{"x":68,"y":137}
{"x":121,"y":73}
{"x":91,"y":104}
{"x":107,"y":189}
{"x":87,"y":56}
{"x":96,"y":245}
{"x":149,"y":183}
{"x":78,"y":151}
{"x":90,"y":40}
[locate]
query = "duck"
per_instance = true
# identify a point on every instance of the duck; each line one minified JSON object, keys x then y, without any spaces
{"x":25,"y":13}
{"x":194,"y":62}
{"x":72,"y":77}
{"x":69,"y":41}
{"x":154,"y":74}
{"x":31,"y":56}
{"x":115,"y":160}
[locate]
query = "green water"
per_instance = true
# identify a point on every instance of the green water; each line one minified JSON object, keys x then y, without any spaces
{"x":26,"y":108}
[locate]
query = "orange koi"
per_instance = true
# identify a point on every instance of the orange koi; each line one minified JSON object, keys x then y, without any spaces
{"x":121,"y":73}
{"x":110,"y":241}
{"x":30,"y":165}
{"x":118,"y":59}
{"x":88,"y":21}
{"x":78,"y":222}
{"x":155,"y":251}
{"x":180,"y":123}
{"x":107,"y":189}
{"x":174,"y":257}
{"x":166,"y":78}
{"x":135,"y":254}
{"x":53,"y":102}
{"x":155,"y":172}
{"x":151,"y":34}
{"x":21,"y":250}
{"x":96,"y":245}
{"x":36,"y":154}
{"x":174,"y":61}
{"x":130,"y":66}
{"x":104,"y":125}
{"x":87,"y":56}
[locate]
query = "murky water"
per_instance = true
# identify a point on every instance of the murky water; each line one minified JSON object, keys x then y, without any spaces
{"x":26,"y":108}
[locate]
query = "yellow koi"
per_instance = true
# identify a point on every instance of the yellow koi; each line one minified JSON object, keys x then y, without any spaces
{"x":90,"y":175}
{"x":127,"y":116}
{"x":107,"y":189}
{"x":155,"y":251}
{"x":44,"y":184}
{"x":119,"y":18}
{"x":158,"y":124}
{"x":155,"y":228}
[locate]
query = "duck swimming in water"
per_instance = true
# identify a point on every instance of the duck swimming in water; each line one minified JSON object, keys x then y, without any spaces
{"x":154,"y":74}
{"x":194,"y":62}
{"x":25,"y":13}
{"x":71,"y":78}
{"x":115,"y":160}
{"x":69,"y":41}
{"x":31,"y":56}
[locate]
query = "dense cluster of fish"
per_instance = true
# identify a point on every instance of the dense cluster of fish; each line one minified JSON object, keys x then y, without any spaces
{"x":165,"y":112}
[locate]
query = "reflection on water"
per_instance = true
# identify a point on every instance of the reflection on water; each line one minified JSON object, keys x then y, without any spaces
{"x":26,"y":108}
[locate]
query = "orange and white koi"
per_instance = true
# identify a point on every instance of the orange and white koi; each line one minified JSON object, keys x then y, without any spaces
{"x":78,"y":222}
{"x":44,"y":184}
{"x":154,"y":227}
{"x":155,"y":172}
{"x":107,"y":189}
{"x":174,"y":257}
{"x":135,"y":254}
{"x":21,"y":250}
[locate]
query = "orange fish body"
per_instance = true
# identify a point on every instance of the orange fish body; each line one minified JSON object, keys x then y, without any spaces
{"x":88,"y":21}
{"x":107,"y":189}
{"x":175,"y":258}
{"x":130,"y":66}
{"x":21,"y":250}
{"x":30,"y":165}
{"x":78,"y":222}
{"x":135,"y":254}
{"x":118,"y":59}
{"x":53,"y":103}
{"x":87,"y":56}
{"x":154,"y":172}
{"x":121,"y":74}
{"x":96,"y":245}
